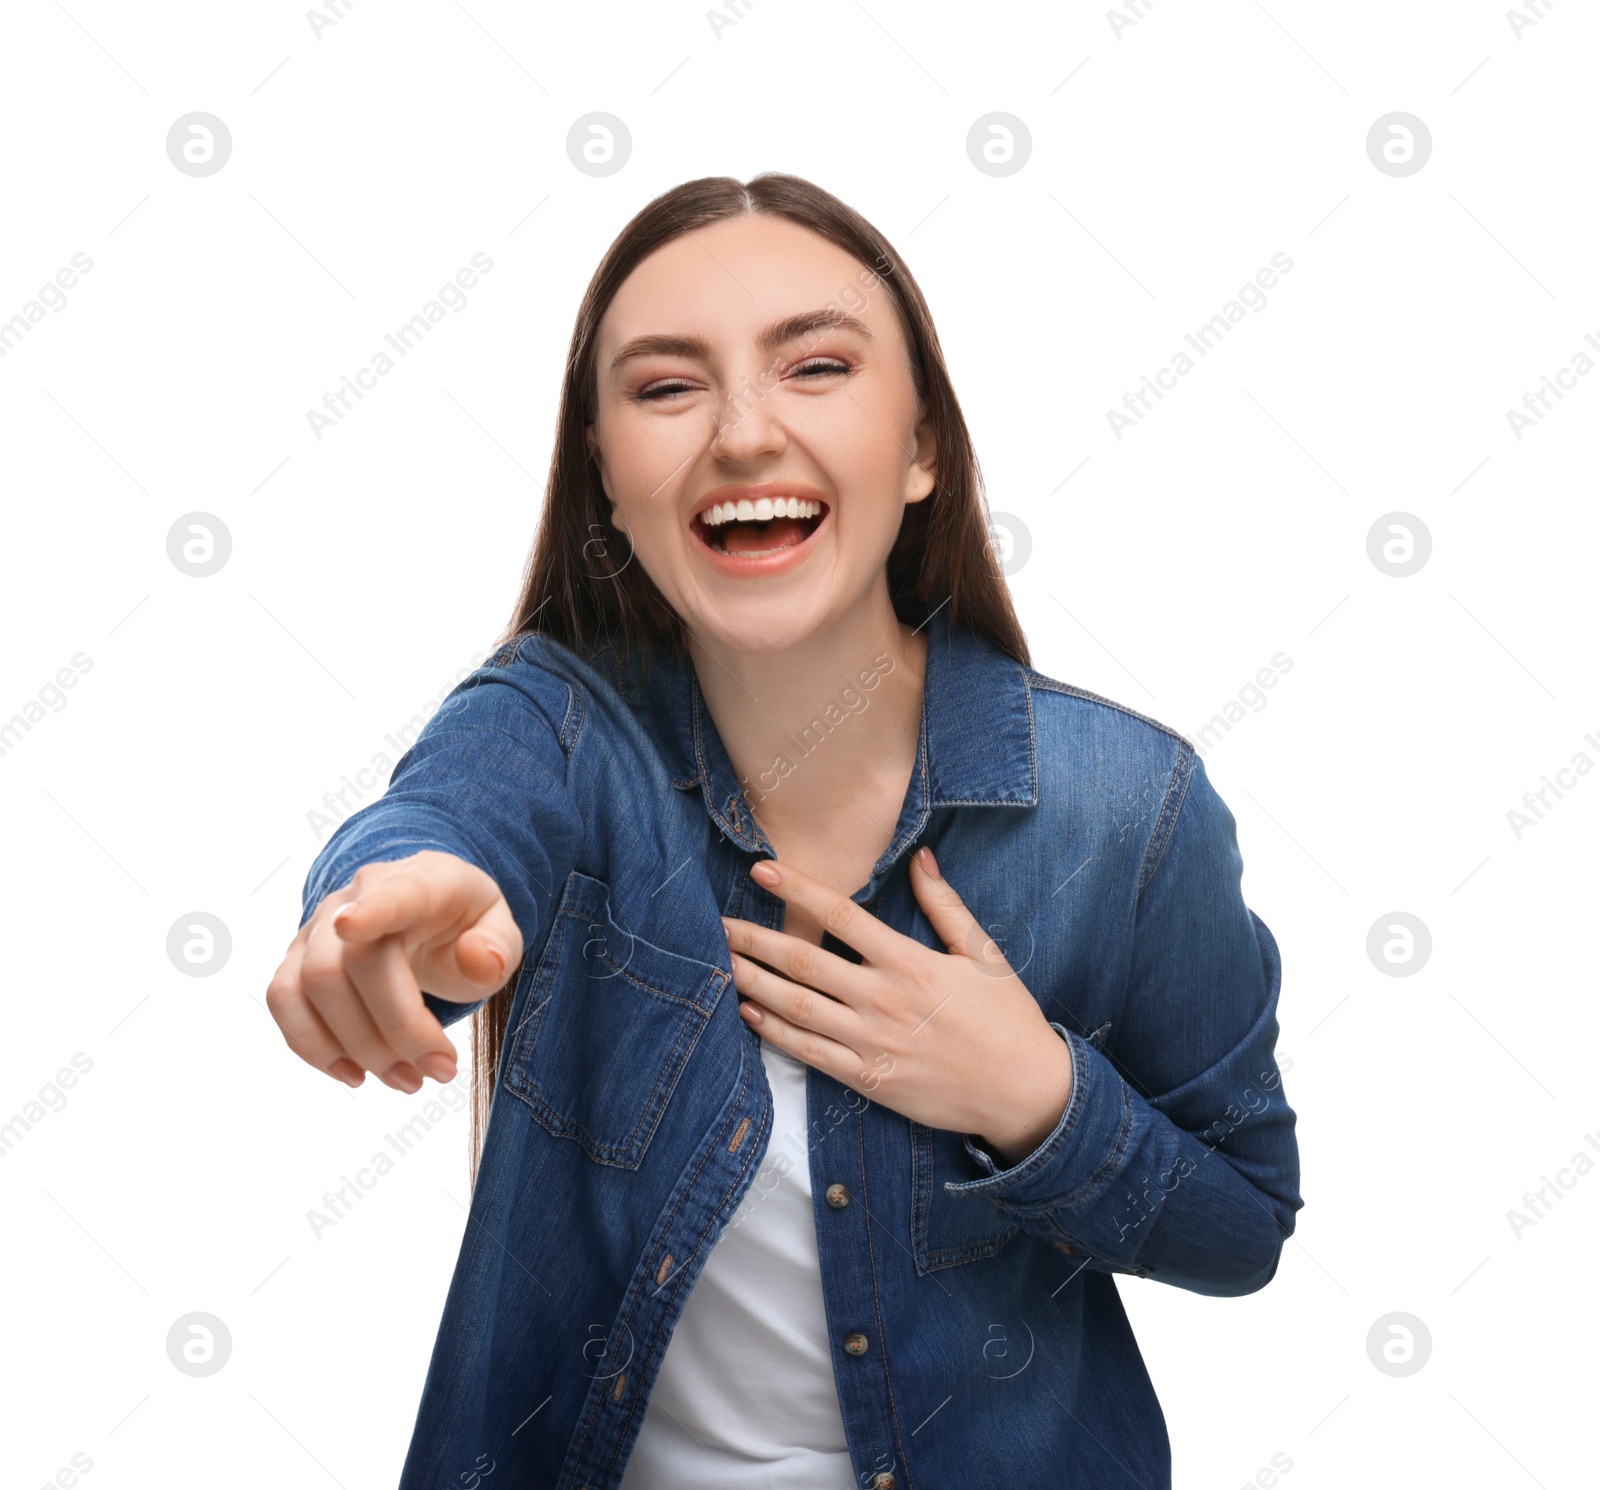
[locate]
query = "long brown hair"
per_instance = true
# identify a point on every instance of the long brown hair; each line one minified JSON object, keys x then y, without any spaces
{"x":579,"y":586}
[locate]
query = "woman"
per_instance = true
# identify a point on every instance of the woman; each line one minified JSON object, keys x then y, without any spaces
{"x":1003,"y":1025}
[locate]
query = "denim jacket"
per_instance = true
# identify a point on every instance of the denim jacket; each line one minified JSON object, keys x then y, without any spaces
{"x":632,"y":1112}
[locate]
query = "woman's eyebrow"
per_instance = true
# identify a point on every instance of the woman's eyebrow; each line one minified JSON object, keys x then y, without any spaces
{"x":778,"y":334}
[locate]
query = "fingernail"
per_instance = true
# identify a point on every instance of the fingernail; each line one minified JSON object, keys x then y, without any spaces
{"x":764,"y":872}
{"x":402,"y":1077}
{"x":348,"y":1072}
{"x":928,"y":861}
{"x":344,"y":910}
{"x":438,"y":1065}
{"x":750,"y":1012}
{"x":500,"y":960}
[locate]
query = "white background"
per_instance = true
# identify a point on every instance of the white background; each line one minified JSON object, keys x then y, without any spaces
{"x":369,"y":568}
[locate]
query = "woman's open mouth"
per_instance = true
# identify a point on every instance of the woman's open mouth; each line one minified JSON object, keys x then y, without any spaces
{"x":745,"y":530}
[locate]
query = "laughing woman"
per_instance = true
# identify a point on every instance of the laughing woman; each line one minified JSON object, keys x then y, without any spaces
{"x":854,"y":1000}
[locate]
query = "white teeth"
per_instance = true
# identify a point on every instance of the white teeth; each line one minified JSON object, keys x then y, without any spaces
{"x":761,"y":510}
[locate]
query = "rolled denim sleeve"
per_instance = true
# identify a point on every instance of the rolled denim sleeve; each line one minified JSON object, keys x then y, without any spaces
{"x":1175,"y":1159}
{"x":487,"y":781}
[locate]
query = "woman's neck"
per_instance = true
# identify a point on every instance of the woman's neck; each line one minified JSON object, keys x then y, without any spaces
{"x":823,"y":735}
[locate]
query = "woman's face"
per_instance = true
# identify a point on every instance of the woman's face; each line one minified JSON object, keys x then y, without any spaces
{"x":753,"y":361}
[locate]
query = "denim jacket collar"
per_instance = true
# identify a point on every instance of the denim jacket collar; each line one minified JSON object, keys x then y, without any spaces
{"x":975,"y":743}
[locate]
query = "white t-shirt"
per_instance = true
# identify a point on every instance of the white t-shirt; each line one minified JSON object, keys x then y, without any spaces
{"x":745,"y":1394}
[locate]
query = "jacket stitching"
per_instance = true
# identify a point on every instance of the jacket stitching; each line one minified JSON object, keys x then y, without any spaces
{"x":1033,"y":752}
{"x":1111,"y":1162}
{"x":574,"y":718}
{"x":1045,"y":1157}
{"x":737,"y":832}
{"x":1165,"y":820}
{"x":638,"y":1293}
{"x":625,"y":969}
{"x":922,"y":1195}
{"x":629,"y":1152}
{"x":1054,"y":685}
{"x":476,"y":729}
{"x":877,"y":1304}
{"x":1042,"y":1157}
{"x":525,"y":1084}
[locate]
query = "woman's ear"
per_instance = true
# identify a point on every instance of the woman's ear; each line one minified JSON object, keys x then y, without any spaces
{"x":922,"y":475}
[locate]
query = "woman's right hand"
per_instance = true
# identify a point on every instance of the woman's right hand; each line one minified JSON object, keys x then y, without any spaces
{"x":348,"y":994}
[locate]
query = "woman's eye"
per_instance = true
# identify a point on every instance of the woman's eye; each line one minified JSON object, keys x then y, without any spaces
{"x":659,"y":390}
{"x":819,"y":367}
{"x":822,"y":366}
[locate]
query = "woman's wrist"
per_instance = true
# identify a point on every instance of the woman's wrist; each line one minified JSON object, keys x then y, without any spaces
{"x":1037,"y":1105}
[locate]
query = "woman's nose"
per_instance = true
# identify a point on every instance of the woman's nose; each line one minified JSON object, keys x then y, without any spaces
{"x":746,"y":424}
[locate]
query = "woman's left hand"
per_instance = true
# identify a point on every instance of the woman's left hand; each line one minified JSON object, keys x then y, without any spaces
{"x":949,"y":1039}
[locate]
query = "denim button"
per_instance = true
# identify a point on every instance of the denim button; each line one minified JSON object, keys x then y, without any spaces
{"x":884,"y":1481}
{"x":837,"y":1196}
{"x":1063,"y":1247}
{"x":855,"y":1343}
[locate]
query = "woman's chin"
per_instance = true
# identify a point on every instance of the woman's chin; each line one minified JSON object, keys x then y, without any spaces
{"x":758,"y":623}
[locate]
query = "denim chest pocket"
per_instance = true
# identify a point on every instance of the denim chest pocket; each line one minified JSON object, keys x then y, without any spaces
{"x":606,"y":1022}
{"x":949,"y":1229}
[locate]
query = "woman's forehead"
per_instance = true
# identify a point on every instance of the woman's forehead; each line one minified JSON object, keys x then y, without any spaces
{"x":740,"y":277}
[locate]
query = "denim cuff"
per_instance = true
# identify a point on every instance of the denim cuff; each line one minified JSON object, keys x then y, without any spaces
{"x":339,"y":871}
{"x":1081,"y":1154}
{"x":446,"y":1011}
